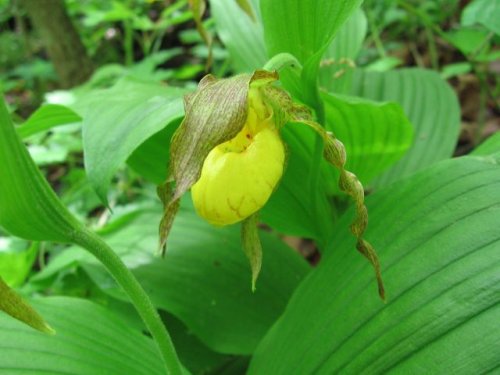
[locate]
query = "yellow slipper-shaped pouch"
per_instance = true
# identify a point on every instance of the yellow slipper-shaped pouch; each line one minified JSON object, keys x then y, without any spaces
{"x":239,"y":176}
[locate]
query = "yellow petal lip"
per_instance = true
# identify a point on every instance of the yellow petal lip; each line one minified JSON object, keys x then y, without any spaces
{"x":239,"y":176}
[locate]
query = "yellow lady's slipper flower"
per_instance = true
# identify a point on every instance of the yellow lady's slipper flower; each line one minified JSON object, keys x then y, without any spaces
{"x":239,"y":176}
{"x":228,"y":150}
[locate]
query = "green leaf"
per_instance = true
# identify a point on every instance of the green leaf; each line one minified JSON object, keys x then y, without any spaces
{"x":456,"y":69}
{"x":29,"y":208}
{"x":290,"y":209}
{"x":383,"y":64}
{"x":467,"y":40}
{"x":302,"y":28}
{"x":247,"y":7}
{"x":16,"y":260}
{"x":485,"y":12}
{"x":343,"y":50}
{"x":119,"y":120}
{"x":15,"y":306}
{"x":89,"y":340}
{"x":242,"y":36}
{"x":488,"y":56}
{"x":151,"y":158}
{"x":334,"y":153}
{"x":438,"y":239}
{"x":204,"y":278}
{"x":430,"y":105}
{"x":375,"y":134}
{"x":489,"y":146}
{"x":46,"y":117}
{"x":194,"y":355}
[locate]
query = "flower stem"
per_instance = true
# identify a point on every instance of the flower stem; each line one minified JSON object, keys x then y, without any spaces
{"x":124,"y":277}
{"x":317,"y":157}
{"x":282,"y":60}
{"x":379,"y":46}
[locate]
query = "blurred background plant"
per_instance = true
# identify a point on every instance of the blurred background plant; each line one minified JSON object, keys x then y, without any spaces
{"x":459,"y":39}
{"x":154,"y":40}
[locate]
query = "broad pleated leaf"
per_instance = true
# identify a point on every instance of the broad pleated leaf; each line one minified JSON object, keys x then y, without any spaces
{"x":438,"y":239}
{"x":244,"y":39}
{"x":195,"y":355}
{"x":291,"y":208}
{"x":16,"y":261}
{"x":46,"y":117}
{"x":241,"y":35}
{"x":151,"y":157}
{"x":89,"y":340}
{"x":204,"y":278}
{"x":303,"y":27}
{"x":484,"y":12}
{"x":489,"y":146}
{"x":375,"y":134}
{"x":29,"y":207}
{"x":342,"y":52}
{"x":120,"y":119}
{"x":431,"y":106}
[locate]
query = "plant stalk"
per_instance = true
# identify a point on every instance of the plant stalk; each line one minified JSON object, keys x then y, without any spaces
{"x":433,"y":52}
{"x":283,"y":60}
{"x":124,"y":277}
{"x":483,"y":103}
{"x":376,"y":36}
{"x":315,"y":173}
{"x":128,"y":42}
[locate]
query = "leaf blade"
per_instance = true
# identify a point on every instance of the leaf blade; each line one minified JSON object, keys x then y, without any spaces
{"x":25,"y":196}
{"x":375,"y":134}
{"x":90,"y":339}
{"x":46,"y":117}
{"x":119,"y":120}
{"x":242,"y":36}
{"x":206,"y":286}
{"x":15,"y":306}
{"x":439,"y":252}
{"x":431,"y":106}
{"x":303,"y":27}
{"x":485,"y":12}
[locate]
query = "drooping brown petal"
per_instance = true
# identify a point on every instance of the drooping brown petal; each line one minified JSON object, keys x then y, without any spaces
{"x":334,"y":153}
